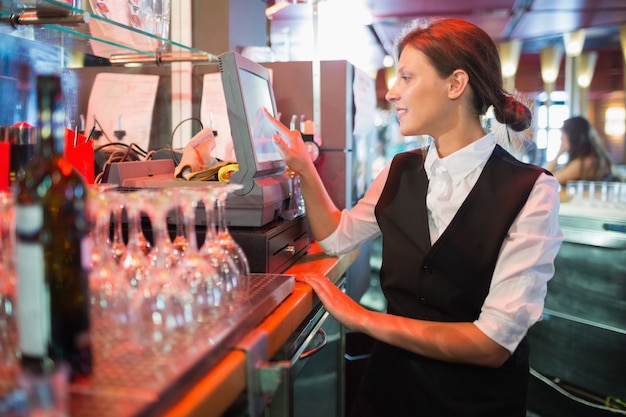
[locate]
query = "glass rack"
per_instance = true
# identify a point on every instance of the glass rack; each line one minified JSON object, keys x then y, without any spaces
{"x":88,"y":31}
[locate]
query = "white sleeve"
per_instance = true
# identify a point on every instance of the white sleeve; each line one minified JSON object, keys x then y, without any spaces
{"x":524,"y":267}
{"x":358,"y":224}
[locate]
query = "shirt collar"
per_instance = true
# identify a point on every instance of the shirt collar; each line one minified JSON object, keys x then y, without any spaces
{"x":462,"y":162}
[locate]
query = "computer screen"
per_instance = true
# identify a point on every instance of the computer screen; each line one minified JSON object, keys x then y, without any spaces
{"x":258,"y":95}
{"x":247,"y":89}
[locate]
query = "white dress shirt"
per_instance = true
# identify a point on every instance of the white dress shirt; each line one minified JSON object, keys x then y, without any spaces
{"x":526,"y":260}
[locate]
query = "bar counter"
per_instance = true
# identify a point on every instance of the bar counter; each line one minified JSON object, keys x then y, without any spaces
{"x":203,"y":373}
{"x":219,"y":388}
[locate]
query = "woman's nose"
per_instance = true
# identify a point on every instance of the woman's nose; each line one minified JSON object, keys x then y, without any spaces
{"x":391,"y":95}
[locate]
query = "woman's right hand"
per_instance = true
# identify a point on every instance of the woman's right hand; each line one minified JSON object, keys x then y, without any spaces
{"x":290,"y":145}
{"x":321,"y":212}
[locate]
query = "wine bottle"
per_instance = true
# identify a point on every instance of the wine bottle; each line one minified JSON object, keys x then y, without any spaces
{"x":52,"y":248}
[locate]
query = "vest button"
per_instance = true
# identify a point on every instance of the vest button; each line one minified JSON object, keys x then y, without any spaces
{"x":428,"y":269}
{"x":423,"y":300}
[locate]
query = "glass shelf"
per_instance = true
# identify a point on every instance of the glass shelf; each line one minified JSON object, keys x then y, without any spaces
{"x":60,"y":24}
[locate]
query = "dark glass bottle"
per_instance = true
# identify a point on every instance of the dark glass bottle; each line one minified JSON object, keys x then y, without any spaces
{"x":52,"y":248}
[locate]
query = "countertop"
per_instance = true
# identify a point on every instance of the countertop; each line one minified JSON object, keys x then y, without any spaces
{"x":219,"y":388}
{"x":203,"y":372}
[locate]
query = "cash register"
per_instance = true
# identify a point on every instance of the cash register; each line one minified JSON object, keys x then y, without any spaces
{"x":254,"y":210}
{"x":265,"y":187}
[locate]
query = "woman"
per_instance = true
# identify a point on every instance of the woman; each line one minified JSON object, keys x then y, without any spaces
{"x":588,"y":159}
{"x":469,"y":237}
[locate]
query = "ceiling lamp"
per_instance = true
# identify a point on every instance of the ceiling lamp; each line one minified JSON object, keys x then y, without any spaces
{"x":574,"y":42}
{"x":586,"y":66}
{"x":550,"y":61}
{"x":509,"y":55}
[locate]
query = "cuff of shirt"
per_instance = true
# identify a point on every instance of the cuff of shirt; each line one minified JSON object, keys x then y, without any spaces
{"x":327,"y":243}
{"x":503,"y":332}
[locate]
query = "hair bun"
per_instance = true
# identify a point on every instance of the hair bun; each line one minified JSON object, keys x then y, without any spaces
{"x":514,"y":114}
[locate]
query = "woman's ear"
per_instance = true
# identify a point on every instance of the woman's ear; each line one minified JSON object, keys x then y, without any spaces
{"x":458,"y":83}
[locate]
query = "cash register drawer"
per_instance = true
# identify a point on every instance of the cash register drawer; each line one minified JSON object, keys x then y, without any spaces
{"x":275,"y":247}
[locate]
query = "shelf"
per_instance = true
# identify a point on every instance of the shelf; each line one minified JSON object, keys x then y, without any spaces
{"x":59,"y":24}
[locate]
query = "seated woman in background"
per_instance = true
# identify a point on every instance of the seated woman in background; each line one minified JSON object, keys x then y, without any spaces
{"x":588,"y":158}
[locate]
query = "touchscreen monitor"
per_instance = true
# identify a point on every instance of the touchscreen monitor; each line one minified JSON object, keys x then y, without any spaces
{"x":247,"y":90}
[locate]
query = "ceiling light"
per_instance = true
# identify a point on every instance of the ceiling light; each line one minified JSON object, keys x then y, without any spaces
{"x":586,"y":66}
{"x":574,"y":42}
{"x":509,"y":55}
{"x":550,"y":61}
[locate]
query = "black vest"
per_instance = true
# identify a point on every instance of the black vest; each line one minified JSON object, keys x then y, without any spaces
{"x":447,"y":281}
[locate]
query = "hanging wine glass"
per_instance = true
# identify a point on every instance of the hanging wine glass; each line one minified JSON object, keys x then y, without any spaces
{"x":162,"y":302}
{"x":233,"y":249}
{"x":134,"y":261}
{"x":225,"y":238}
{"x":179,"y":240}
{"x":100,"y":204}
{"x":109,"y":291}
{"x":118,"y":246}
{"x":217,"y":255}
{"x":200,"y":273}
{"x":157,"y":205}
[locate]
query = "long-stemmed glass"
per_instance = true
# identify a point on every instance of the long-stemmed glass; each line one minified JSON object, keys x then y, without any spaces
{"x":109,"y":291}
{"x":118,"y":246}
{"x":162,"y":302}
{"x":200,"y":273}
{"x":217,"y":255}
{"x":180,"y":239}
{"x":134,"y":261}
{"x":229,"y":244}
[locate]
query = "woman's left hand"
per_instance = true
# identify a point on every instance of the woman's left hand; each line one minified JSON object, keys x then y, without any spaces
{"x":343,"y":308}
{"x":460,"y":342}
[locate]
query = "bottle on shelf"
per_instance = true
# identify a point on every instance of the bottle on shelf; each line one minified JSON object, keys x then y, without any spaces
{"x":53,"y":249}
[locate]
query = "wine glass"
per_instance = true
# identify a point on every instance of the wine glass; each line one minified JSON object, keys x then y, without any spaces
{"x":134,"y":261}
{"x":109,"y":291}
{"x":235,"y":252}
{"x":179,"y":241}
{"x":225,"y":238}
{"x":216,"y":254}
{"x":162,"y":302}
{"x":100,"y":206}
{"x":198,"y":270}
{"x":118,"y":246}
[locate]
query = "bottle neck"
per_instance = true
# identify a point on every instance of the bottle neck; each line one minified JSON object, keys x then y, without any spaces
{"x":50,"y":146}
{"x":51,"y":117}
